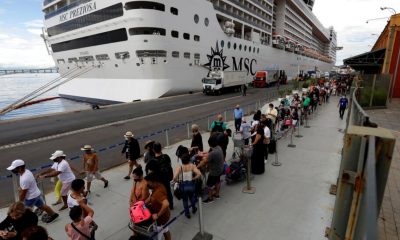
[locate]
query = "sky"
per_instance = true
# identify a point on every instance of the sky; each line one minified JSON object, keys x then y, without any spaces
{"x":21,"y":22}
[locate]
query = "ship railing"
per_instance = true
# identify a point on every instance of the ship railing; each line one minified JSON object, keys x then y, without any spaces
{"x":238,"y":2}
{"x":366,"y":158}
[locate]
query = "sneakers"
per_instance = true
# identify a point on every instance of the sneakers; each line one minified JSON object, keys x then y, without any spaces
{"x":106,"y":184}
{"x":187,"y":215}
{"x":208,"y":200}
{"x":51,"y":218}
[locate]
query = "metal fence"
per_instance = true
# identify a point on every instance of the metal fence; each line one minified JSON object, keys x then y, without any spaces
{"x":374,"y":90}
{"x":366,"y":159}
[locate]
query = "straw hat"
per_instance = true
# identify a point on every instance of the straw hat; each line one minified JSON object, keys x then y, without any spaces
{"x":86,"y":148}
{"x":146,"y":145}
{"x":129,"y":134}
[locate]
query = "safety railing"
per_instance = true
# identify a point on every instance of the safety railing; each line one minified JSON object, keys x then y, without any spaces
{"x":366,"y":158}
{"x":172,"y":134}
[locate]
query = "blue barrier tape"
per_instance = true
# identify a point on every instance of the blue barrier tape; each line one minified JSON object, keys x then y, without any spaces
{"x":122,"y":143}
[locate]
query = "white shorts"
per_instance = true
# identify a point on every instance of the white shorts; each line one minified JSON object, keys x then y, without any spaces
{"x":65,"y":188}
{"x":90,"y":176}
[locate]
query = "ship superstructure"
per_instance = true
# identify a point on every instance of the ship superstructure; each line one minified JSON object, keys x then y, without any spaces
{"x":148,"y":49}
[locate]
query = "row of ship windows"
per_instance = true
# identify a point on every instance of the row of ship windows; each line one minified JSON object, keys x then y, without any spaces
{"x":111,"y":12}
{"x":161,"y":32}
{"x":141,"y":54}
{"x":235,"y":46}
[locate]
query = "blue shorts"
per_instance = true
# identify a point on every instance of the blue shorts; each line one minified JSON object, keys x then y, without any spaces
{"x":37,"y":202}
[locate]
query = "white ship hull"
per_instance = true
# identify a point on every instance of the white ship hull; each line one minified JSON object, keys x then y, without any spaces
{"x":140,"y":78}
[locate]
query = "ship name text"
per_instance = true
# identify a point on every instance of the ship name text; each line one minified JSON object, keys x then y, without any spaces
{"x":77,"y":12}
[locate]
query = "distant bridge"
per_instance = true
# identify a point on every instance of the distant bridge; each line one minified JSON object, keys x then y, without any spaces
{"x":33,"y":70}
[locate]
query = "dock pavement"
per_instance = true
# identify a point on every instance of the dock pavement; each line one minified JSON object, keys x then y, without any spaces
{"x":291,"y":201}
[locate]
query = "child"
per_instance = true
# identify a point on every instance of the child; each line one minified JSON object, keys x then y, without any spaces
{"x":80,"y":228}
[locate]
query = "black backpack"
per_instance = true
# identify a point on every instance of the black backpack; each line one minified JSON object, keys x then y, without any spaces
{"x":218,"y":127}
{"x":166,"y":168}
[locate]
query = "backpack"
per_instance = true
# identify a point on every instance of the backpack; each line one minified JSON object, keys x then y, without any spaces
{"x":166,"y":168}
{"x":139,"y":212}
{"x":218,"y":127}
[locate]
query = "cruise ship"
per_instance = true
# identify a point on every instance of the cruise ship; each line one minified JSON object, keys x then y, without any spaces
{"x":110,"y":51}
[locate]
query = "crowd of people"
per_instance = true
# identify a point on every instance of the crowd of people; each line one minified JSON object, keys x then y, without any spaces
{"x":198,"y":174}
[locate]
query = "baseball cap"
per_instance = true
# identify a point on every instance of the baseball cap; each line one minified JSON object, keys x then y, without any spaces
{"x":15,"y":164}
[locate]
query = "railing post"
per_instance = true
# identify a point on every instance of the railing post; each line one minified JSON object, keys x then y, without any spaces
{"x":15,"y":187}
{"x":188,"y":130}
{"x":166,"y":138}
{"x":248,"y":188}
{"x":202,"y":234}
{"x":291,"y":145}
{"x":276,"y":163}
{"x":208,"y":123}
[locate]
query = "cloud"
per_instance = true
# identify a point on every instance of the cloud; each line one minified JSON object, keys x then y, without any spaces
{"x":37,"y":23}
{"x":23,"y":51}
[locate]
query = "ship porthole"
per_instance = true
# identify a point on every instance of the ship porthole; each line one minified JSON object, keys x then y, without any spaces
{"x":206,"y":22}
{"x":240,"y":47}
{"x":222,"y":43}
{"x":196,"y":18}
{"x":234,"y":46}
{"x":138,"y":64}
{"x":116,"y":65}
{"x":229,"y":45}
{"x":245,"y":48}
{"x":258,"y":50}
{"x":249,"y":49}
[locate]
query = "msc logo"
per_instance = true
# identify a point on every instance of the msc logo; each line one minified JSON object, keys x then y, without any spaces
{"x":216,"y":61}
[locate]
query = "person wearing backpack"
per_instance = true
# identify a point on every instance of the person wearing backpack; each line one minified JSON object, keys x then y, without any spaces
{"x":80,"y":228}
{"x":164,"y":171}
{"x":219,"y":125}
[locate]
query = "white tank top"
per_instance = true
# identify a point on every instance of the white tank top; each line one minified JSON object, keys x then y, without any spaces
{"x":71,"y":202}
{"x":187,"y":176}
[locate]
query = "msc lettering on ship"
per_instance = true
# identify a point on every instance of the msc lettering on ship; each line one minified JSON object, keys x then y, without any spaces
{"x":248,"y":65}
{"x":89,"y":7}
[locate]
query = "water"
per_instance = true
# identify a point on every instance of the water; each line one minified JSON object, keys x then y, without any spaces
{"x":16,"y":86}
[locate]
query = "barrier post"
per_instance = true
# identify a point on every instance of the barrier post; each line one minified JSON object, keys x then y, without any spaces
{"x":256,"y":108}
{"x":306,"y":118}
{"x":15,"y":187}
{"x":166,"y":138}
{"x":188,"y":130}
{"x":202,"y":234}
{"x":298,"y":130}
{"x":225,"y":116}
{"x":291,"y":145}
{"x":41,"y":187}
{"x":248,"y":188}
{"x":208,"y":123}
{"x":276,"y":163}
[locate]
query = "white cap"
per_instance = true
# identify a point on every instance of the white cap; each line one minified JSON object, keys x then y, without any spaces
{"x":57,"y":154}
{"x":15,"y":164}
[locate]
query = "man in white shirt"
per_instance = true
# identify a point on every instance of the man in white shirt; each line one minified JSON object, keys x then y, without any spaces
{"x":29,"y":192}
{"x":272,"y":113}
{"x":62,"y":169}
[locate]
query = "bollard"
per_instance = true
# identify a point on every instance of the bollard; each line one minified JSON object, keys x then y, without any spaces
{"x":202,"y":234}
{"x":291,"y":145}
{"x":208,"y":123}
{"x":298,"y":131}
{"x":248,"y":188}
{"x":15,"y":187}
{"x":225,"y":116}
{"x":306,"y":126}
{"x":167,"y":139}
{"x":188,"y":130}
{"x":276,"y":163}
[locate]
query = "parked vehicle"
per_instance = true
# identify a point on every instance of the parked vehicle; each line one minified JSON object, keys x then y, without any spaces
{"x":218,"y":82}
{"x":268,"y":78}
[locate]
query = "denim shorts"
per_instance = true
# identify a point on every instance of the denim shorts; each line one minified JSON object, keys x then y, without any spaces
{"x":37,"y":202}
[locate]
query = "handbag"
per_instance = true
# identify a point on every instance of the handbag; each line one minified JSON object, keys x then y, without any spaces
{"x":177,"y":188}
{"x":288,"y":122}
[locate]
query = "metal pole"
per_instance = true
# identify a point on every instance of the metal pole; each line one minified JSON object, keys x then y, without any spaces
{"x":208,"y":123}
{"x":202,"y":234}
{"x":298,"y":131}
{"x":188,"y":130}
{"x":276,"y":163}
{"x":291,"y":145}
{"x":41,"y":187}
{"x":306,"y":126}
{"x":15,"y":187}
{"x":166,"y":137}
{"x":225,"y":116}
{"x":248,"y":188}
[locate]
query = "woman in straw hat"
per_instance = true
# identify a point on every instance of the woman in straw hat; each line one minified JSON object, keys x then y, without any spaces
{"x":131,"y":150}
{"x":91,"y":167}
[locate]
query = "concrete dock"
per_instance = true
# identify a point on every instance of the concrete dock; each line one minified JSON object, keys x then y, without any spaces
{"x":291,"y":201}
